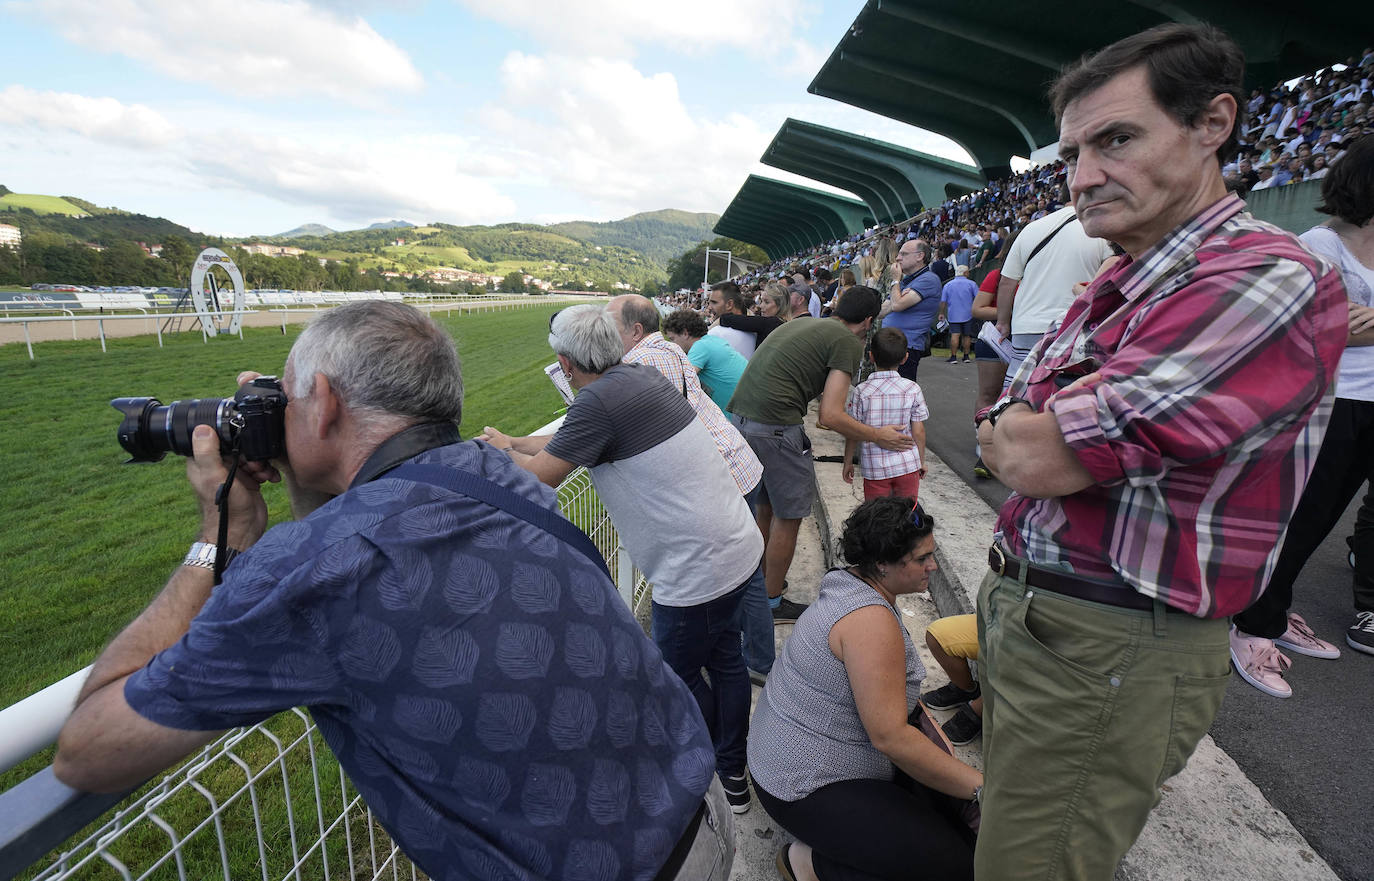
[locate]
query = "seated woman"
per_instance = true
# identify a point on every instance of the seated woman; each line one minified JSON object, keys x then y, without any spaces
{"x":833,"y":758}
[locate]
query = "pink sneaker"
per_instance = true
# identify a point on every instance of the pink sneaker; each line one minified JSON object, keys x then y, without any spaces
{"x":1260,"y":664}
{"x":1300,"y":638}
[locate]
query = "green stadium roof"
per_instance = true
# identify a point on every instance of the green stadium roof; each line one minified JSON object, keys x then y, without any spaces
{"x":978,"y":73}
{"x":894,"y":181}
{"x":783,"y":218}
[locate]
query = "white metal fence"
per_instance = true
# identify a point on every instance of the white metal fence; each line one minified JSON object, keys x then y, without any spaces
{"x":153,"y":321}
{"x":265,"y":802}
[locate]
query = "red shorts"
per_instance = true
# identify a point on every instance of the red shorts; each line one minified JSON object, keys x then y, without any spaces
{"x":905,"y":485}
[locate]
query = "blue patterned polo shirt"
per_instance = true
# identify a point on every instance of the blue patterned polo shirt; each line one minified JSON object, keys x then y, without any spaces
{"x":482,"y":683}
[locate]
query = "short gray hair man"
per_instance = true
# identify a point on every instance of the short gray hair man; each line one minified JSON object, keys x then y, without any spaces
{"x":382,"y":357}
{"x":587,"y":336}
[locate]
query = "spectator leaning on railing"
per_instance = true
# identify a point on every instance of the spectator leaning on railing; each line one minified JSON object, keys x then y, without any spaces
{"x":483,"y":700}
{"x":678,"y":512}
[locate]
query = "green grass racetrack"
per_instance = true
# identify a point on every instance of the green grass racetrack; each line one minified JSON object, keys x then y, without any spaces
{"x":86,"y":542}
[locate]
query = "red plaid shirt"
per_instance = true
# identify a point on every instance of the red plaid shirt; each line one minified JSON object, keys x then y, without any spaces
{"x":1217,"y":349}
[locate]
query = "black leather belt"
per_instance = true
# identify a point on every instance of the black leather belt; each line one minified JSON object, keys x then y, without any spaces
{"x":1069,"y":585}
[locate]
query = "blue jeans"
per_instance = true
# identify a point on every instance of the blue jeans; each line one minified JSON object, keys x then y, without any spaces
{"x":759,"y":648}
{"x":708,"y":635}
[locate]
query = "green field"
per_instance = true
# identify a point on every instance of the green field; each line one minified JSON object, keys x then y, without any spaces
{"x":458,"y":258}
{"x":86,"y":542}
{"x":40,"y":204}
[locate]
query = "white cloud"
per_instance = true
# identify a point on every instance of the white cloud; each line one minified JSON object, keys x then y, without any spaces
{"x":336,"y":173}
{"x":612,"y":27}
{"x":617,"y":138}
{"x":242,"y":47}
{"x":804,"y":59}
{"x":100,"y":119}
{"x":408,"y":178}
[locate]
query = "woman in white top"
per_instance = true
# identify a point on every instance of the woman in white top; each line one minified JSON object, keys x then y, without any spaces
{"x":1346,"y":460}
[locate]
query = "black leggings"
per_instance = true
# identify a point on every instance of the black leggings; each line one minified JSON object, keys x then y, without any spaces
{"x":867,"y":830}
{"x":1343,"y":465}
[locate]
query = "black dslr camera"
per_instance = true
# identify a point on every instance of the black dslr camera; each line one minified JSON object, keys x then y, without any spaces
{"x":253,"y":420}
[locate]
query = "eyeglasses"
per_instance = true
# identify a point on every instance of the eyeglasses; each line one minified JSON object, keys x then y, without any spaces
{"x":920,"y":518}
{"x":552,"y":317}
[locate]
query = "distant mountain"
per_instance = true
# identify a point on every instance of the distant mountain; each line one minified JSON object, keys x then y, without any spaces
{"x":633,"y":251}
{"x":658,"y":235}
{"x":308,"y":229}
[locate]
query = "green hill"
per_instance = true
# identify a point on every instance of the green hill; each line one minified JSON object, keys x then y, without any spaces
{"x":583,"y":255}
{"x":658,"y":235}
{"x":40,"y":204}
{"x":91,"y":207}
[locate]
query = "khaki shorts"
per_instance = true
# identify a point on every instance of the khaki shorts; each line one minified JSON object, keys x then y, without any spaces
{"x":957,"y":635}
{"x":789,"y":473}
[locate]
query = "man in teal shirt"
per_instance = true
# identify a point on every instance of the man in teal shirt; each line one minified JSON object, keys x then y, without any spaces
{"x":718,"y":365}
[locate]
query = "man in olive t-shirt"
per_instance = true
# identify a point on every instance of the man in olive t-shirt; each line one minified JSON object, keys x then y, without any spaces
{"x":798,"y":361}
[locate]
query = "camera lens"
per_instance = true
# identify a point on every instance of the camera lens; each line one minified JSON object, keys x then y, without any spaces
{"x":151,"y":429}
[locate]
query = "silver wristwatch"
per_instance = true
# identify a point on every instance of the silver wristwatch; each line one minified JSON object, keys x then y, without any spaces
{"x":202,"y":555}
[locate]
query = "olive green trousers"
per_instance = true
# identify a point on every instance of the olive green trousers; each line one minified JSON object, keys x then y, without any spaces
{"x":1088,"y":709}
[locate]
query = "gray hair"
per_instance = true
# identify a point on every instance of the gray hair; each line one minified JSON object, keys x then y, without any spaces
{"x":587,"y":336}
{"x":382,"y":358}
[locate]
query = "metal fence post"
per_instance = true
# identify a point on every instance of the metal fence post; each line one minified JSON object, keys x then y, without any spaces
{"x":625,"y":576}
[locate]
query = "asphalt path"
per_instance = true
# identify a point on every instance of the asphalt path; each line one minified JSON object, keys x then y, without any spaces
{"x":1306,"y":753}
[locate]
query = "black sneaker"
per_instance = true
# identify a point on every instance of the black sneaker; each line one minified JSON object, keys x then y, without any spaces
{"x":736,"y":792}
{"x":949,"y":696}
{"x":951,"y":360}
{"x":787,"y":611}
{"x":963,"y":727}
{"x":980,"y":470}
{"x":1361,"y":633}
{"x":967,"y":359}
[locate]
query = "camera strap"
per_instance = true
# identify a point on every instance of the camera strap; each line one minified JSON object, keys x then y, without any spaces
{"x":222,"y":501}
{"x":497,"y":496}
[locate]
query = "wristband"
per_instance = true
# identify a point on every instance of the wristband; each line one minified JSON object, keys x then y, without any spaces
{"x":202,"y":555}
{"x":1002,"y":406}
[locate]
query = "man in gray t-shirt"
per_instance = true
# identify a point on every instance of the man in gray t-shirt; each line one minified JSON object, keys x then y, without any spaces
{"x":677,"y":509}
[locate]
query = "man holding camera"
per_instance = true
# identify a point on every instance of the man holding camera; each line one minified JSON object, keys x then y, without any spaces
{"x":465,"y":656}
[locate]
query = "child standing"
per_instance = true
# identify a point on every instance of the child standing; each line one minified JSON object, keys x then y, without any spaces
{"x":886,"y":398}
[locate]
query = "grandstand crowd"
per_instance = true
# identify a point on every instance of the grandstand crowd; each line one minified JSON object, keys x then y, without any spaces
{"x":421,"y":564}
{"x":1294,"y":133}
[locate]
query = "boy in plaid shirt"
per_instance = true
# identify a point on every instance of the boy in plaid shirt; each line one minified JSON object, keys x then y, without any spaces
{"x":887,"y":398}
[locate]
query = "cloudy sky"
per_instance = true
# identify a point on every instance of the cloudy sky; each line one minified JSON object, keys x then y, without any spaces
{"x":238,"y":117}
